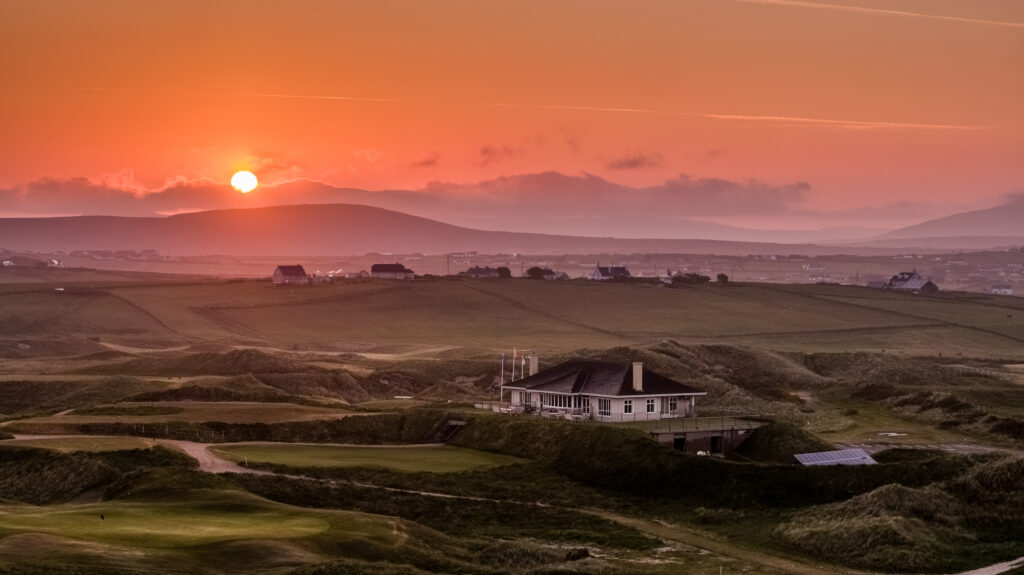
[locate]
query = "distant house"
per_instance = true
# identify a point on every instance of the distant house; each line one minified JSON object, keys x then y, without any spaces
{"x":610,"y":273}
{"x":605,"y":391}
{"x":911,"y":282}
{"x":477,"y":272}
{"x":391,"y":271}
{"x":290,"y":275}
{"x":1002,"y":289}
{"x":539,"y":273}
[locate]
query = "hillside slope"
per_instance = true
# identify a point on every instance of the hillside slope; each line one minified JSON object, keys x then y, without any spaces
{"x":334,"y":229}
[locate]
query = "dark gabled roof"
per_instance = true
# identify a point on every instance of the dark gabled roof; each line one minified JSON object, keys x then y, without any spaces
{"x":292,"y":271}
{"x":600,"y":378}
{"x":613,"y":271}
{"x":389,"y":268}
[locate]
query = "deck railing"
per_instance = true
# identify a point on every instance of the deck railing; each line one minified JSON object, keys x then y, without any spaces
{"x":677,"y":421}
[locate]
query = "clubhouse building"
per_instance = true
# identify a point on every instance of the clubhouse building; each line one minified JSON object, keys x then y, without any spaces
{"x":602,"y":391}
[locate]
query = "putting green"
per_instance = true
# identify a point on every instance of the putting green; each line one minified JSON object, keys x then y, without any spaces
{"x":166,"y":525}
{"x":412,"y":458}
{"x":84,"y":443}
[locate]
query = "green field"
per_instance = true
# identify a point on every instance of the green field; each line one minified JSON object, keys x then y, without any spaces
{"x":85,"y":443}
{"x":416,"y":458}
{"x":189,"y":411}
{"x":169,"y":524}
{"x":548,"y":317}
{"x":196,"y":532}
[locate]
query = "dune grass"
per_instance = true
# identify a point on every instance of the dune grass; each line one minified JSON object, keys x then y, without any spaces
{"x":415,"y":458}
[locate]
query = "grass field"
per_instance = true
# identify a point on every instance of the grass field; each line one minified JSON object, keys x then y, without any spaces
{"x":198,"y":412}
{"x":419,"y":458}
{"x":545,"y":316}
{"x":199,"y":531}
{"x":169,"y":524}
{"x":85,"y":443}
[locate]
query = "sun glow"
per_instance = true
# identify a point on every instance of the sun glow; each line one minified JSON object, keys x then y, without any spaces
{"x":244,"y":182}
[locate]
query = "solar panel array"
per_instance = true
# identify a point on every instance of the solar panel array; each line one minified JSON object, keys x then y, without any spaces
{"x":841,"y":457}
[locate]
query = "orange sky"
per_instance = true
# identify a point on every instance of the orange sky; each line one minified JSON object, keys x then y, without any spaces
{"x":912,"y":106}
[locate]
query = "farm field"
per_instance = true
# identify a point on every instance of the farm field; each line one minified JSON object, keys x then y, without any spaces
{"x":549,"y":317}
{"x":406,"y":458}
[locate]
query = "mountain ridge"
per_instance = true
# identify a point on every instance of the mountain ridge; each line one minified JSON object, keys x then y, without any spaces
{"x":338,"y":229}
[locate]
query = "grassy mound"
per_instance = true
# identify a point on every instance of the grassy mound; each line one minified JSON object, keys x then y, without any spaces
{"x":778,"y":442}
{"x":952,"y":525}
{"x":28,"y":396}
{"x":626,"y":460}
{"x":44,"y":476}
{"x":236,"y":362}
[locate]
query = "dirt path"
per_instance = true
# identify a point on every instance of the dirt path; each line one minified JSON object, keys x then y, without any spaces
{"x":700,"y":540}
{"x":207,"y":460}
{"x":138,"y":350}
{"x":418,"y":353}
{"x":997,"y":568}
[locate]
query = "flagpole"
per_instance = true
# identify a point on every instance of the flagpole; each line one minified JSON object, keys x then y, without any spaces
{"x":513,"y":364}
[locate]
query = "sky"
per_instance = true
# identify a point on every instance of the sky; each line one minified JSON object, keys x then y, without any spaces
{"x":774,"y":114}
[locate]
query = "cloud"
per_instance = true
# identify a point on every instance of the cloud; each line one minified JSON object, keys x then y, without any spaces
{"x":428,"y":161}
{"x":635,"y":161}
{"x":111,"y":196}
{"x":591,"y":195}
{"x":274,"y":167}
{"x":571,"y":137}
{"x":1014,"y":197}
{"x":519,"y":196}
{"x":885,"y":12}
{"x":489,"y":154}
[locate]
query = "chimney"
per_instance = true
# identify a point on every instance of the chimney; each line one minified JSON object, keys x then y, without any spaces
{"x":638,"y":376}
{"x":534,"y":364}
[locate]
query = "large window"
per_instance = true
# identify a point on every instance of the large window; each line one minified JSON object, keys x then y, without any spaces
{"x":627,"y":406}
{"x":650,"y":406}
{"x":604,"y":407}
{"x":552,"y":400}
{"x":673,"y":404}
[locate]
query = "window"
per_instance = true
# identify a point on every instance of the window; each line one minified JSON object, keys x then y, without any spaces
{"x":627,"y":406}
{"x":673,"y":403}
{"x":604,"y":407}
{"x":585,"y":400}
{"x":552,"y":400}
{"x":650,"y":406}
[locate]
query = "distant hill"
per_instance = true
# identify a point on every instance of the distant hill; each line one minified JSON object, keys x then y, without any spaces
{"x":999,"y":226}
{"x":335,"y":229}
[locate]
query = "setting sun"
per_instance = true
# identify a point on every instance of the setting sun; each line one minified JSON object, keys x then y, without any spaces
{"x":244,"y":182}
